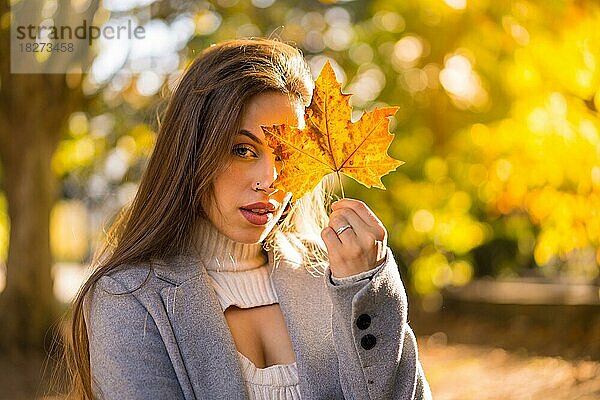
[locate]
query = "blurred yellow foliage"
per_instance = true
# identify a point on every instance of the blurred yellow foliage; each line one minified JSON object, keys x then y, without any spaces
{"x":4,"y":228}
{"x":73,"y":154}
{"x":69,"y":231}
{"x":498,"y":124}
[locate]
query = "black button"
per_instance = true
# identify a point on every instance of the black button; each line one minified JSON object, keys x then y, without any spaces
{"x":368,"y":341}
{"x":363,"y":321}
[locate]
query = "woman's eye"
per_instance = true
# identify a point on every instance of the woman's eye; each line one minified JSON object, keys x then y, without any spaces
{"x":242,"y":151}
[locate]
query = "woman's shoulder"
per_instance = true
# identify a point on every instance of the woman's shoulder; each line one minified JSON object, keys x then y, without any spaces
{"x":115,"y":292}
{"x":161,"y":271}
{"x":125,"y":278}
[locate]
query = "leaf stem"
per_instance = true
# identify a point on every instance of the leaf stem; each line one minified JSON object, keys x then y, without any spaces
{"x":340,"y":181}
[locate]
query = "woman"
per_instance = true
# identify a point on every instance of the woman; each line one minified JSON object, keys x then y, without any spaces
{"x":215,"y":287}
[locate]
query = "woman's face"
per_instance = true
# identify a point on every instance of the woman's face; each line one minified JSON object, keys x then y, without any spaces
{"x":252,"y":162}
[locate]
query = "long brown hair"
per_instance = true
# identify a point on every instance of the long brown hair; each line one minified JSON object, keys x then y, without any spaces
{"x":194,"y":139}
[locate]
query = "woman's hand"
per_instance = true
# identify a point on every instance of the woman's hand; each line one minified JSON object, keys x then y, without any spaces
{"x":359,"y":248}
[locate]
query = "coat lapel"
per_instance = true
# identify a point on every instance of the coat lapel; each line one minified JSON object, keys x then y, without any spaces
{"x":203,"y":337}
{"x":306,"y":308}
{"x":205,"y":342}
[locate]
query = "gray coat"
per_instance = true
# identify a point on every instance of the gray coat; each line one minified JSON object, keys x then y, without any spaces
{"x":168,"y":338}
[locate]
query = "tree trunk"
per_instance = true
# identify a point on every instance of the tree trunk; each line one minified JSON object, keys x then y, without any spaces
{"x":27,"y":305}
{"x":33,"y":111}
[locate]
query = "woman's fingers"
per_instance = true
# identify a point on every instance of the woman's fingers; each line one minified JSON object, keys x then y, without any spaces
{"x":357,"y":249}
{"x":334,"y":245}
{"x":360,"y":233}
{"x":353,"y":244}
{"x":370,"y":220}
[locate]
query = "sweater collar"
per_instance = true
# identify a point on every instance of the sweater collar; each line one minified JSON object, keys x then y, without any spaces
{"x":220,"y":253}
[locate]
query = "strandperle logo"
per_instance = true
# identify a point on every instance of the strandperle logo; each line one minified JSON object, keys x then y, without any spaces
{"x":64,"y":39}
{"x":84,"y":31}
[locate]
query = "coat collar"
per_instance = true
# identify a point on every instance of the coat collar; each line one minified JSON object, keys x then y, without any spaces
{"x":200,"y":328}
{"x":188,"y":265}
{"x":203,"y":337}
{"x":206,"y":343}
{"x":177,"y":269}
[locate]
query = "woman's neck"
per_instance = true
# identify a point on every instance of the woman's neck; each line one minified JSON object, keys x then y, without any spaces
{"x":220,"y":253}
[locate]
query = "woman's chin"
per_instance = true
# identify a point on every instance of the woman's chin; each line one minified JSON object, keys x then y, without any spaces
{"x":253,"y":235}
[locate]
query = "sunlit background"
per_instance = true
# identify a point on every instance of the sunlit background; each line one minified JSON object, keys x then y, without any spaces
{"x":498,"y":126}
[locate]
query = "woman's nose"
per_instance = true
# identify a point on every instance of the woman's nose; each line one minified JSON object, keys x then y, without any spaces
{"x":270,"y":170}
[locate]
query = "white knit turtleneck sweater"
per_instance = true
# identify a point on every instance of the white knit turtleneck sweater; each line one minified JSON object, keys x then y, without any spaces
{"x":239,"y":275}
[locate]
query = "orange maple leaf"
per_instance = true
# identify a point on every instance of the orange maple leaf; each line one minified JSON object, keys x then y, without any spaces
{"x":331,"y":142}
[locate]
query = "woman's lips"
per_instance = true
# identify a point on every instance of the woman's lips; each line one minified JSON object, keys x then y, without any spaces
{"x":261,"y":205}
{"x":256,"y":219}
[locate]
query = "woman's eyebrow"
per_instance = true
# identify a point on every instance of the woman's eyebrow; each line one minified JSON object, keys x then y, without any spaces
{"x":250,"y":135}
